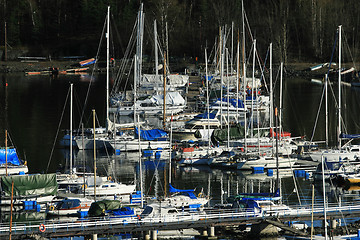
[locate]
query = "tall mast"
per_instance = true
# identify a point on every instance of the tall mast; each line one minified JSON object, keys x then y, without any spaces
{"x":207,"y":97}
{"x":244,"y":73}
{"x":156,"y":51}
{"x":138,"y":56}
{"x":140,"y":165}
{"x":339,"y":89}
{"x":326,"y":113}
{"x":221,"y":77}
{"x":271,"y":99}
{"x":71,"y":127}
{"x":6,"y":155}
{"x":107,"y":62}
{"x":164,"y":94}
{"x":238,"y":78}
{"x":252,"y":89}
{"x":94,"y":156}
{"x":228,"y":99}
{"x":281,"y":93}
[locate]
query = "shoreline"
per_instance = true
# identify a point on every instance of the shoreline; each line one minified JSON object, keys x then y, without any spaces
{"x":290,"y":70}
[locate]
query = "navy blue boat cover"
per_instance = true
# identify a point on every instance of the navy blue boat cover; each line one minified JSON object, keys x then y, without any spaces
{"x":343,"y":135}
{"x":150,"y":135}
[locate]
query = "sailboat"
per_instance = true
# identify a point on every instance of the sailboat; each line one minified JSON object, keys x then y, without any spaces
{"x":347,"y":152}
{"x":149,"y":103}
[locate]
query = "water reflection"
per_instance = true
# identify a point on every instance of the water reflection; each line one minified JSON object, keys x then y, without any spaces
{"x":34,"y":110}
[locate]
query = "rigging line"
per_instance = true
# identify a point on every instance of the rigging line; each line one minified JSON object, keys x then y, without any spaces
{"x":317,"y":115}
{"x":263,"y":69}
{"x":117,"y":32}
{"x":57,"y":132}
{"x":348,"y":47}
{"x":124,"y":61}
{"x":156,"y":165}
{"x":92,"y":74}
{"x":251,"y":36}
{"x":331,"y":59}
{"x":337,"y":106}
{"x":293,"y":177}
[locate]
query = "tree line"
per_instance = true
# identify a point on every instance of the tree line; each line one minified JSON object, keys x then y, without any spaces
{"x":300,"y":30}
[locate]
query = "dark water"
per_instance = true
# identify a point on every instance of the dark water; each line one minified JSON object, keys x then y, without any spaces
{"x":35,"y":110}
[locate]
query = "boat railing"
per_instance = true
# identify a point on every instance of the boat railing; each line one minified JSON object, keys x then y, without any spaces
{"x":219,"y":215}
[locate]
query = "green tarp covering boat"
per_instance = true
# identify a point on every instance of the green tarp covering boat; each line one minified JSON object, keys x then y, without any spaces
{"x":29,"y":185}
{"x":98,"y":208}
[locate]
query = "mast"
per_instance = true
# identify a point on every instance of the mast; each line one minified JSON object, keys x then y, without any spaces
{"x":107,"y":63}
{"x":281,"y":95}
{"x":326,"y":113}
{"x":138,"y":55}
{"x":71,"y":128}
{"x":164,"y":111}
{"x":277,"y":150}
{"x":222,"y":79}
{"x":228,"y":99}
{"x":170,"y":149}
{"x":156,"y":51}
{"x":238,"y":78}
{"x":271,"y":101}
{"x":339,"y":93}
{"x":94,"y":156}
{"x":324,"y":194}
{"x":140,"y":164}
{"x":6,"y":157}
{"x":207,"y":97}
{"x":244,"y":73}
{"x":252,"y":90}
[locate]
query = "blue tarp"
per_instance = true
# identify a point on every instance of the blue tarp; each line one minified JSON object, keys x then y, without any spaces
{"x":233,"y":102}
{"x":189,"y":192}
{"x":205,"y":115}
{"x":124,"y":211}
{"x":343,"y":135}
{"x":259,"y":196}
{"x":150,"y":135}
{"x":12,"y":157}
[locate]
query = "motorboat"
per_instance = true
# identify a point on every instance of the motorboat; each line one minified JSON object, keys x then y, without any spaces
{"x":69,"y":206}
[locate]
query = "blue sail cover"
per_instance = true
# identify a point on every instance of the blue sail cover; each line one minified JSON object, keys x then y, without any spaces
{"x":233,"y":102}
{"x":189,"y":192}
{"x":12,"y":157}
{"x":259,"y":196}
{"x":206,"y":115}
{"x":123,"y":212}
{"x":349,"y":136}
{"x":150,"y":135}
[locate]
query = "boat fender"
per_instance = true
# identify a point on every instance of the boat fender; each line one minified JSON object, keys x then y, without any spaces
{"x":42,"y":228}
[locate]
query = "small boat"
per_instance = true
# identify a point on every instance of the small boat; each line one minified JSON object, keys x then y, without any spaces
{"x":162,"y":212}
{"x":181,"y":198}
{"x":268,"y":162}
{"x":108,"y":189}
{"x":69,"y":206}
